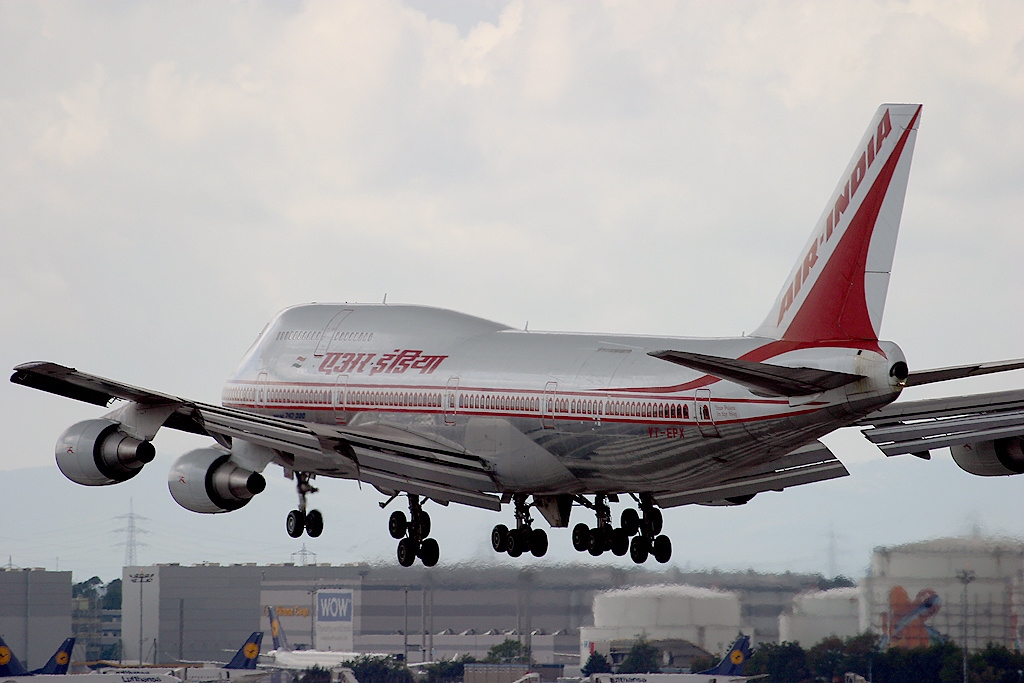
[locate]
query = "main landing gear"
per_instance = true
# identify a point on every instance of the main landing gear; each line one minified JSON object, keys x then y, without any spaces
{"x":413,"y":533}
{"x":524,"y":538}
{"x":638,"y":535}
{"x":311,"y":522}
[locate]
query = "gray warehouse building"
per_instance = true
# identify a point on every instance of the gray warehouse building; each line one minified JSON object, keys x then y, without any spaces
{"x":35,"y":612}
{"x":199,"y":612}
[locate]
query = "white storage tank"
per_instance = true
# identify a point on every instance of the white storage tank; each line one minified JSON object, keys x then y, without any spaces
{"x":705,"y":617}
{"x":816,"y":615}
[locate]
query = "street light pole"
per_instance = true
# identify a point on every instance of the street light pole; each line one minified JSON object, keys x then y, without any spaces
{"x":140,"y":578}
{"x":965,"y":576}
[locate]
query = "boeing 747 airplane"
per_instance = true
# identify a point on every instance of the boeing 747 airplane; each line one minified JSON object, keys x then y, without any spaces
{"x":440,"y":406}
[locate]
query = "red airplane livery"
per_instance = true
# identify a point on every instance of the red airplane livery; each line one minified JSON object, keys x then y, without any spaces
{"x":442,"y":407}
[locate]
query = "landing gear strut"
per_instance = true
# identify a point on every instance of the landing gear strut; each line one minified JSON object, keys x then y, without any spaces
{"x":603,"y":536}
{"x":524,"y":538}
{"x":311,"y":522}
{"x":413,"y":532}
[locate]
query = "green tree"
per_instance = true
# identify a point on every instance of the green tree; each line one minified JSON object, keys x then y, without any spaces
{"x":87,"y":589}
{"x":827,"y":660}
{"x":315,"y":674}
{"x":784,"y":663}
{"x":642,"y":658}
{"x":112,"y":595}
{"x":597,"y":663}
{"x":380,"y":670}
{"x":702,"y":663}
{"x":508,"y":651}
{"x":446,"y":672}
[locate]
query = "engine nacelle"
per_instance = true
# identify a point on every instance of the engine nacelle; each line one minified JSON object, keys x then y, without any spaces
{"x":95,"y":453}
{"x":205,"y":480}
{"x":997,"y":458}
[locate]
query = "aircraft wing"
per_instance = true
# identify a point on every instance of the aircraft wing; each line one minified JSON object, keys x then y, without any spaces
{"x":388,"y":458}
{"x":808,"y":464}
{"x":919,"y":427}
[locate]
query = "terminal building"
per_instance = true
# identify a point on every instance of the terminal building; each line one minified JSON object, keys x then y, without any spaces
{"x":35,"y":612}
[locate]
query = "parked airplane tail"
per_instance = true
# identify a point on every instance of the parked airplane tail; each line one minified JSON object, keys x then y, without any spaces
{"x":246,"y":656}
{"x":276,"y":632}
{"x":837,"y":289}
{"x":732,"y":663}
{"x":60,"y":661}
{"x":9,"y":664}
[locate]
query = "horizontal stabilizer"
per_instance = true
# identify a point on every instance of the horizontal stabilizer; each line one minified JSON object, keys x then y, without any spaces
{"x":761,"y":378}
{"x":806,"y":465}
{"x":961,"y":371}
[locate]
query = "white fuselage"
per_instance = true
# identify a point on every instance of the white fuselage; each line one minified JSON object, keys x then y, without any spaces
{"x":548,"y":412}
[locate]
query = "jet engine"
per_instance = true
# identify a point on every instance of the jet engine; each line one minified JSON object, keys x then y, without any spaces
{"x":996,"y":458}
{"x":95,"y":453}
{"x":206,"y":480}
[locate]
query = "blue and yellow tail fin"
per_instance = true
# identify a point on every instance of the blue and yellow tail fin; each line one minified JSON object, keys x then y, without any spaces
{"x":276,"y":632}
{"x":732,"y":663}
{"x":59,"y":662}
{"x":9,"y":664}
{"x":246,"y":656}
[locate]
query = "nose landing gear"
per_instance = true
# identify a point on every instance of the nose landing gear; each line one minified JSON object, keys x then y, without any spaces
{"x":524,"y":538}
{"x":413,"y":532}
{"x":311,"y":522}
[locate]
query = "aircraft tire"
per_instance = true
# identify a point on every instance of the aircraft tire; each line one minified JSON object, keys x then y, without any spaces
{"x":662,"y":549}
{"x":499,"y":538}
{"x":516,"y":543}
{"x":295,"y":523}
{"x":407,"y":552}
{"x":620,"y":541}
{"x":538,"y":542}
{"x":422,"y":522}
{"x":630,"y":521}
{"x":314,"y":523}
{"x":597,"y":542}
{"x":639,"y":549}
{"x":429,"y":552}
{"x":581,"y":537}
{"x":397,"y":525}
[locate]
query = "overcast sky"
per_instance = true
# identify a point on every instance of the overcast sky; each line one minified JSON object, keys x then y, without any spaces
{"x":174,"y":173}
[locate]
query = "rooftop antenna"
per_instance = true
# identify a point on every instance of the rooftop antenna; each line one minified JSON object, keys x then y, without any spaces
{"x":385,"y":298}
{"x":131,"y":542}
{"x":10,"y":563}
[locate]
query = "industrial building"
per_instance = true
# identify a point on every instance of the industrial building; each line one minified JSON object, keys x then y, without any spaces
{"x":35,"y":612}
{"x":915,"y":593}
{"x":816,"y":614}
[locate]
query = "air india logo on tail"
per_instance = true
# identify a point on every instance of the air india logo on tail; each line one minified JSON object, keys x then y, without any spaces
{"x":831,"y":222}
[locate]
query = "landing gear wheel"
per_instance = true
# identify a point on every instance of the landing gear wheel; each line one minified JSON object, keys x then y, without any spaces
{"x":538,"y":542}
{"x":662,"y":549}
{"x":654,"y":521}
{"x":296,"y":523}
{"x":499,"y":538}
{"x":429,"y":552}
{"x":516,"y":543}
{"x":422,"y":522}
{"x":407,"y":552}
{"x":597,"y":542}
{"x":620,"y":541}
{"x":630,"y":521}
{"x":639,"y":549}
{"x":314,"y":523}
{"x":397,"y":524}
{"x":581,"y":537}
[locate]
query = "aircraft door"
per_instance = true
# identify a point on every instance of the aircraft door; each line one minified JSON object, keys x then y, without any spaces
{"x":703,"y":413}
{"x":450,"y":400}
{"x":339,"y":399}
{"x":547,"y":417}
{"x":261,"y":391}
{"x":327,"y":336}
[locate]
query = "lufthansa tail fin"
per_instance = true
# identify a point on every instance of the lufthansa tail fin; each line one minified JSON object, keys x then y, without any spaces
{"x":276,"y":632}
{"x":732,"y":663}
{"x":837,"y":289}
{"x":9,"y":664}
{"x":246,"y":656}
{"x":60,"y":661}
